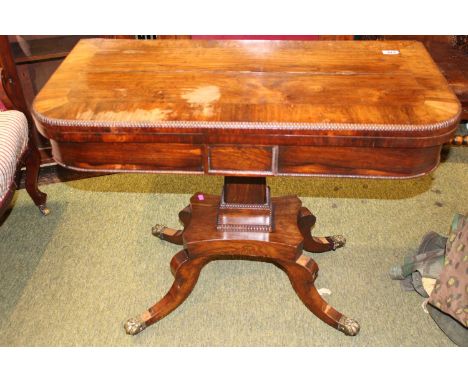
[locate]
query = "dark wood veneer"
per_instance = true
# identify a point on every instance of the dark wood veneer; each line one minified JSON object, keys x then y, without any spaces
{"x":357,"y":161}
{"x":249,"y":161}
{"x":125,"y":156}
{"x":258,"y":159}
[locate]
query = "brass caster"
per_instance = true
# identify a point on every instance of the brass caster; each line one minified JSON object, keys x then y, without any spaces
{"x":44,"y":210}
{"x":134,"y":326}
{"x":348,"y":326}
{"x":338,"y":241}
{"x":158,"y":230}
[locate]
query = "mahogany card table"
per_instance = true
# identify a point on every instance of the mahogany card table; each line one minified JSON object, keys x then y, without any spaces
{"x":247,"y":110}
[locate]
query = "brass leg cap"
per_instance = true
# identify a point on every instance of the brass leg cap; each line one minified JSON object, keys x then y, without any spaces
{"x":338,"y":241}
{"x":348,"y":326}
{"x":158,"y":230}
{"x":134,"y":326}
{"x":44,"y":210}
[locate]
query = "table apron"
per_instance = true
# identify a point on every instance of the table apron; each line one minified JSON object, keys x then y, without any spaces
{"x":247,"y":160}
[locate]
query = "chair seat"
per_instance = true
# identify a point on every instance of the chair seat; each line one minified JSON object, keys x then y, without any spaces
{"x":13,"y":143}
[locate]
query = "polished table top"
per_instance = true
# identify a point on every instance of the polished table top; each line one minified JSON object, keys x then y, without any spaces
{"x":346,"y":108}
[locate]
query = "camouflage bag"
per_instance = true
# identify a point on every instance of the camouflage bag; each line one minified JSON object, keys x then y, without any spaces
{"x":450,"y":294}
{"x":427,"y":263}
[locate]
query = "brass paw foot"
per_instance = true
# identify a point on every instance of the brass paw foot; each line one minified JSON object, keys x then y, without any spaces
{"x":158,"y":230}
{"x":338,"y":241}
{"x":134,"y":326}
{"x":348,"y":326}
{"x":44,"y":210}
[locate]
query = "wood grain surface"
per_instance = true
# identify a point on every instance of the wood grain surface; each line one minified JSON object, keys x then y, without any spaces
{"x":248,"y":81}
{"x":248,"y":107}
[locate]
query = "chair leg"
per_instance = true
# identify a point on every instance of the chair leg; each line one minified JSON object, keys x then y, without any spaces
{"x":33,"y":162}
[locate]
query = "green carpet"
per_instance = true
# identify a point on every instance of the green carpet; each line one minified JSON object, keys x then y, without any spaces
{"x":74,"y":277}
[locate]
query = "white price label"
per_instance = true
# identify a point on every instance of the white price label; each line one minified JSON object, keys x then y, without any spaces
{"x":390,"y":51}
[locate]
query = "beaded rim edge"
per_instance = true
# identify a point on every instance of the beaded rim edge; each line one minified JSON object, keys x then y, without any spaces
{"x":246,"y":125}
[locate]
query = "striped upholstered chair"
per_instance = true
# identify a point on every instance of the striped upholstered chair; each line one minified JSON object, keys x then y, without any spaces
{"x":17,"y":149}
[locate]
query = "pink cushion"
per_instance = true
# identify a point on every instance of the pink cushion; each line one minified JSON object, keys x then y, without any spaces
{"x":13,"y":143}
